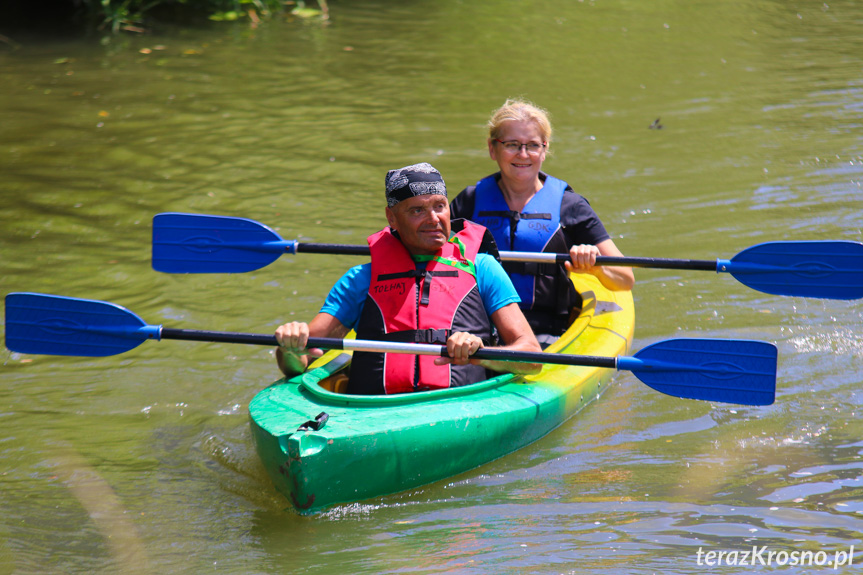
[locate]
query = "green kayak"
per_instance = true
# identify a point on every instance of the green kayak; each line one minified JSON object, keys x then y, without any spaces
{"x":321,"y":447}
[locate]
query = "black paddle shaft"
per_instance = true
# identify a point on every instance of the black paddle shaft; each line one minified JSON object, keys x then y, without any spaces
{"x":343,"y":249}
{"x":664,"y":263}
{"x":247,"y":338}
{"x":218,"y":336}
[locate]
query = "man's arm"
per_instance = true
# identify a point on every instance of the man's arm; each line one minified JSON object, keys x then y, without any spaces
{"x":516,"y":335}
{"x":513,"y":330}
{"x":344,"y":301}
{"x":498,"y":294}
{"x":291,"y":355}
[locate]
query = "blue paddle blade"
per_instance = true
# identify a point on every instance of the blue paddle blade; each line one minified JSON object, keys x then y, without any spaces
{"x":819,"y":269}
{"x":54,"y":325}
{"x":730,"y":371}
{"x":192,"y":243}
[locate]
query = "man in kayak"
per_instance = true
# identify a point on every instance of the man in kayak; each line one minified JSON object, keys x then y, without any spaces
{"x":425,"y":284}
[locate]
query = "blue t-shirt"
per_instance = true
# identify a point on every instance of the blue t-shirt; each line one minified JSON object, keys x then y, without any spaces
{"x":345,"y":301}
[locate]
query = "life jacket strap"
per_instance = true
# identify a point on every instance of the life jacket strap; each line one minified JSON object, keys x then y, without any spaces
{"x":531,"y":268}
{"x":433,"y":336}
{"x":515,"y":216}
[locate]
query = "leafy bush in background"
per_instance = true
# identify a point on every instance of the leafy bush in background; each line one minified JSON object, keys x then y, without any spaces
{"x":131,"y":15}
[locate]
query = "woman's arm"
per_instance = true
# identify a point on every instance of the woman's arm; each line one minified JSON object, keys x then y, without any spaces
{"x":583,"y":260}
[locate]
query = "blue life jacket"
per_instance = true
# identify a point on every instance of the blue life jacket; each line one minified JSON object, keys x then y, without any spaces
{"x":529,"y":231}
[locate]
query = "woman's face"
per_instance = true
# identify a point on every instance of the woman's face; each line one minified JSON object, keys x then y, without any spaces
{"x":518,"y":164}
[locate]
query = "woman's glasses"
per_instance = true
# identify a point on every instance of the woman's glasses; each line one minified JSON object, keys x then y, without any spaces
{"x":514,"y":146}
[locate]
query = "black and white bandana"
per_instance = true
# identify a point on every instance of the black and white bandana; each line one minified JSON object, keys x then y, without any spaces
{"x":417,"y":180}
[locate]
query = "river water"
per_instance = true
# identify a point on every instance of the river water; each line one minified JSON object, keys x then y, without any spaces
{"x":143,"y":463}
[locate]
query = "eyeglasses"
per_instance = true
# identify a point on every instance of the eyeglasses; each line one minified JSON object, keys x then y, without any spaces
{"x":514,"y":147}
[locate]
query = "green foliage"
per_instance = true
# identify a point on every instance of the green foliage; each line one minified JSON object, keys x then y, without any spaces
{"x":131,"y":15}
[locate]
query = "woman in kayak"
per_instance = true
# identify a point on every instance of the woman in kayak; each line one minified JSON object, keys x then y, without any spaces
{"x":529,"y":211}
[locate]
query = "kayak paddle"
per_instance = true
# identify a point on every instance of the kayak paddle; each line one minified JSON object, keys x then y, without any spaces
{"x":193,"y":243}
{"x":730,"y":371}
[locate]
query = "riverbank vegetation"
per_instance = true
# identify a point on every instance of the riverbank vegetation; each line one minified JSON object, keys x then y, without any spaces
{"x":137,"y":16}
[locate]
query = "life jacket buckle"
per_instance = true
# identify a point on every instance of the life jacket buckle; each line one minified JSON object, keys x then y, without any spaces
{"x":434,"y":336}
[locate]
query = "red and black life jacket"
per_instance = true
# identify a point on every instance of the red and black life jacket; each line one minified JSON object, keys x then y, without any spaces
{"x":407,"y":304}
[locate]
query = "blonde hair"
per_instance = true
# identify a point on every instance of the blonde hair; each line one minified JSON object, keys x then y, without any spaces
{"x":519,"y":111}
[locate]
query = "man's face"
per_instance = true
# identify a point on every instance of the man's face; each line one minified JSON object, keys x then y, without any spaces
{"x":422,"y":223}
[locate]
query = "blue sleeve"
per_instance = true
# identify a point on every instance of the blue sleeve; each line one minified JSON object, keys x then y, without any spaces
{"x":346,"y":300}
{"x":495,"y":287}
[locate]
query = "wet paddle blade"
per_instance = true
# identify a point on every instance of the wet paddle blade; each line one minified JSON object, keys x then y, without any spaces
{"x":192,"y":243}
{"x":819,"y":269}
{"x":729,"y":371}
{"x":54,"y":325}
